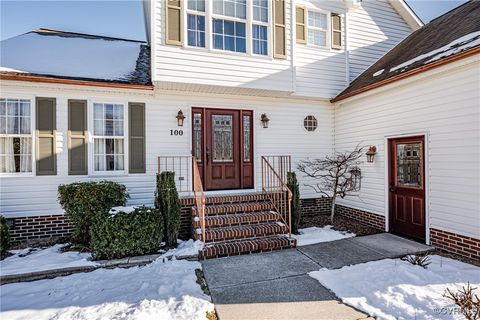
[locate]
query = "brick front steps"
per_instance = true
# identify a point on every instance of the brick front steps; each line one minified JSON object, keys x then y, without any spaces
{"x":240,"y":224}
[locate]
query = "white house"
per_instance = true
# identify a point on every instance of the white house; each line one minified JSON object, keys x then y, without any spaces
{"x":252,"y":79}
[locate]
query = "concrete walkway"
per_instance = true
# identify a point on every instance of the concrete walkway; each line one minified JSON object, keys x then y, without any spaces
{"x":275,"y":285}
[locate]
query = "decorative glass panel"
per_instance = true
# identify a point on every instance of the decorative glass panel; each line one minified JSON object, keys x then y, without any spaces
{"x":310,"y":123}
{"x":409,"y":165}
{"x":197,"y":136}
{"x":222,"y":145}
{"x":260,"y":40}
{"x":246,"y":139}
{"x":196,"y":30}
{"x":229,"y":35}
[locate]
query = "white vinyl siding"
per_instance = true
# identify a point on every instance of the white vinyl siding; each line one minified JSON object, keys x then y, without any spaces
{"x":445,"y":106}
{"x":23,"y":197}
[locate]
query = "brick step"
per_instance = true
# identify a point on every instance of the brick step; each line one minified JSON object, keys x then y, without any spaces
{"x":236,"y":198}
{"x":246,"y":246}
{"x":244,"y":207}
{"x":243,"y":231}
{"x":226,"y":220}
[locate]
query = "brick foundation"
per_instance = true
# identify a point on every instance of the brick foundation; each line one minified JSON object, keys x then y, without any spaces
{"x":456,"y":244}
{"x":315,"y":206}
{"x":39,"y":227}
{"x":366,"y":218}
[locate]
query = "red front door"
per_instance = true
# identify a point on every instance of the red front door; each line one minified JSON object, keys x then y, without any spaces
{"x":407,"y":187}
{"x":223,"y":147}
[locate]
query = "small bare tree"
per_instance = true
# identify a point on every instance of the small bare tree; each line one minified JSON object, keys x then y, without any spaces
{"x":335,"y":174}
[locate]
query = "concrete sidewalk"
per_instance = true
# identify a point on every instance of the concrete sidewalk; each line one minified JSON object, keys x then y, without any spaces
{"x":275,"y":285}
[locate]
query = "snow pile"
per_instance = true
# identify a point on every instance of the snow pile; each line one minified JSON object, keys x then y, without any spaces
{"x":461,"y":44}
{"x":315,"y":235}
{"x":33,"y":260}
{"x":160,"y":290}
{"x":116,"y":210}
{"x":185,"y":249}
{"x":379,"y":72}
{"x":395,"y":289}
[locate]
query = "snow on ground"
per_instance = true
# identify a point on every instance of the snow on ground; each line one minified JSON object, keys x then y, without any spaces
{"x":394,"y":289}
{"x":315,"y":235}
{"x":185,"y":248}
{"x":32,"y":260}
{"x":160,"y":290}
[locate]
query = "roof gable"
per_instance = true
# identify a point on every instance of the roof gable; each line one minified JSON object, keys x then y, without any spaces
{"x":450,"y":34}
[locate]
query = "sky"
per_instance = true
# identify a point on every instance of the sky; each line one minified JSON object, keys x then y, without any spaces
{"x":121,"y":18}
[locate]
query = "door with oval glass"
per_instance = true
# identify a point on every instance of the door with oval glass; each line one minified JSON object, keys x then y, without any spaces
{"x":222,"y":145}
{"x":407,"y":187}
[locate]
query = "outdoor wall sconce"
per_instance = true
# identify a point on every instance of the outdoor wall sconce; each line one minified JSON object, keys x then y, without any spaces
{"x":264,"y":120}
{"x":372,"y":151}
{"x":180,"y":117}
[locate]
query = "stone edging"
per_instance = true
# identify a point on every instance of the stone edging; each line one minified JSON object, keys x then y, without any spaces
{"x":115,"y":263}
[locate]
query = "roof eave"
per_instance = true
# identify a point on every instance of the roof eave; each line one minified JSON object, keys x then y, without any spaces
{"x":407,"y":13}
{"x":407,"y":74}
{"x":29,"y":78}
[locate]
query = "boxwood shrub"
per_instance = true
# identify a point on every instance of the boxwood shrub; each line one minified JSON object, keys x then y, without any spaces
{"x":4,"y":237}
{"x":126,"y":234}
{"x":82,"y":201}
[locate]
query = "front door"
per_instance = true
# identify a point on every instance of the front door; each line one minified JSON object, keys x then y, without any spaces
{"x":407,"y":187}
{"x":222,"y":145}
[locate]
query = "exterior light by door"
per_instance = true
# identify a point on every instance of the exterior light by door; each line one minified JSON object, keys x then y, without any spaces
{"x":180,"y":117}
{"x":372,"y":151}
{"x":264,"y":120}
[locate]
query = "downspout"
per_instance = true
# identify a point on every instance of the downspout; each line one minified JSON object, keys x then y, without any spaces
{"x":292,"y":48}
{"x":347,"y":59}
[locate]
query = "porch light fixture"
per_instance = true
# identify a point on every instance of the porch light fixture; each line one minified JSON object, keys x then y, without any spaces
{"x":372,"y":151}
{"x":180,"y":117}
{"x":264,"y":120}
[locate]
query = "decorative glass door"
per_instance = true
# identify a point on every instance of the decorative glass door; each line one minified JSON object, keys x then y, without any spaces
{"x":407,"y":190}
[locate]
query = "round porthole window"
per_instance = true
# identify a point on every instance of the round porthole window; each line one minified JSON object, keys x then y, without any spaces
{"x":310,"y":123}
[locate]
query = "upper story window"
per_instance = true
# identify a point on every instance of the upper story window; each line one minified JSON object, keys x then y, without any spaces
{"x":196,"y":23}
{"x":108,"y":137}
{"x":15,"y":136}
{"x":317,"y":28}
{"x":225,"y":25}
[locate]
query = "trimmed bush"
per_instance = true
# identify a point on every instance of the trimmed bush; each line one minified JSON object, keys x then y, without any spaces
{"x":82,"y":201}
{"x":4,"y":237}
{"x":126,"y":234}
{"x":292,"y":184}
{"x":168,"y":202}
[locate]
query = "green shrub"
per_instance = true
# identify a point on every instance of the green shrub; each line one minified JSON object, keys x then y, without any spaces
{"x":292,"y":184}
{"x":126,"y":234}
{"x":4,"y":237}
{"x":168,"y":202}
{"x":82,"y":201}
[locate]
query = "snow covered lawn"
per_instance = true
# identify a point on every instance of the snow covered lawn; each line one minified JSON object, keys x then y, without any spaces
{"x":395,"y":289}
{"x":315,"y":235}
{"x":32,"y":260}
{"x":160,"y":290}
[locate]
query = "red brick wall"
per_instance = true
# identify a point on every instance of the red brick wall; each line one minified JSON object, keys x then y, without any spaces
{"x":363,"y":217}
{"x":39,"y":227}
{"x":315,"y":206}
{"x":454,"y":243}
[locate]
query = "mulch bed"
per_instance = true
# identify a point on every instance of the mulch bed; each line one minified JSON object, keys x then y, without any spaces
{"x":340,"y":223}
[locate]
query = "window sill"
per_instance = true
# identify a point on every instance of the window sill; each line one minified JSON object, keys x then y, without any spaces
{"x":228,"y":53}
{"x":17,"y":175}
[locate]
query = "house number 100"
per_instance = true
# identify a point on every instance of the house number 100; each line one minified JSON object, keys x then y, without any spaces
{"x":176,"y":132}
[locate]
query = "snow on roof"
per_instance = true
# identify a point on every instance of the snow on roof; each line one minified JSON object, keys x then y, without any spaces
{"x":77,"y":56}
{"x":455,"y":32}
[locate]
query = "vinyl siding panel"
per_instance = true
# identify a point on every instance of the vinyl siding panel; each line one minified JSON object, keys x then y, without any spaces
{"x":24,"y":196}
{"x":219,"y":68}
{"x":373,"y":29}
{"x":444,"y":104}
